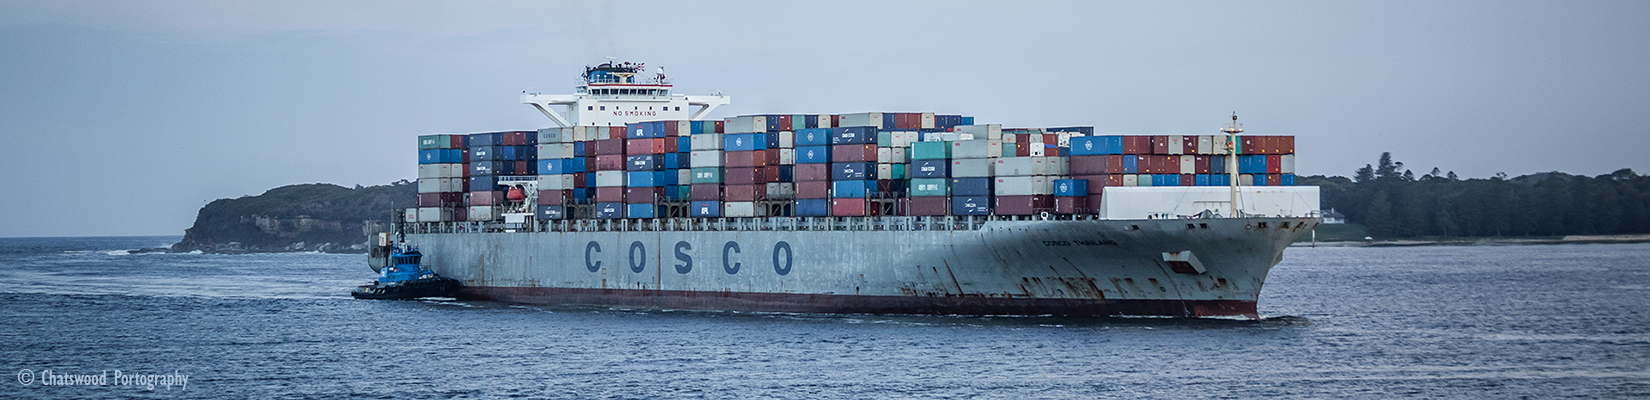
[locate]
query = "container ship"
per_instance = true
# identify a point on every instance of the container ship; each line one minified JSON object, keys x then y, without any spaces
{"x":635,"y":200}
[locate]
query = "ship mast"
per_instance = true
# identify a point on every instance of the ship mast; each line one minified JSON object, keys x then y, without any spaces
{"x":1231,"y":160}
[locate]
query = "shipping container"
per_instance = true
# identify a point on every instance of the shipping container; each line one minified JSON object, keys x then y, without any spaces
{"x":755,"y":192}
{"x":849,"y":207}
{"x":970,"y":168}
{"x":871,"y":119}
{"x":1022,"y":166}
{"x":548,"y":213}
{"x":435,"y":214}
{"x":813,"y":190}
{"x":854,"y":153}
{"x":929,"y":206}
{"x":970,"y":205}
{"x":745,"y":124}
{"x":930,"y":150}
{"x":972,"y":149}
{"x":1022,"y":186}
{"x":813,"y":207}
{"x":853,"y":171}
{"x":813,"y":137}
{"x":705,"y":209}
{"x":1071,"y":187}
{"x":971,"y":186}
{"x":741,"y":209}
{"x":610,"y":178}
{"x":853,"y":135}
{"x":812,"y":172}
{"x":1176,"y":145}
{"x":930,"y":187}
{"x":705,"y":175}
{"x":1023,"y":205}
{"x":744,"y":142}
{"x":1071,"y":205}
{"x":609,"y":147}
{"x":705,"y":191}
{"x":482,"y":213}
{"x":705,"y":159}
{"x":610,"y":210}
{"x":1188,"y":165}
{"x":744,"y":175}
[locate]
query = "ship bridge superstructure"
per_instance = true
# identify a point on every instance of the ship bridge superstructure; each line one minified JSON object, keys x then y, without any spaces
{"x":614,"y":94}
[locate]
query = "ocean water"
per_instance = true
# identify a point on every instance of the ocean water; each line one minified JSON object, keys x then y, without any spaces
{"x":1430,"y":322}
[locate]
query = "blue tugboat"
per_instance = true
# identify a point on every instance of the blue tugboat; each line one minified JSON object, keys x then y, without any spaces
{"x":404,"y":277}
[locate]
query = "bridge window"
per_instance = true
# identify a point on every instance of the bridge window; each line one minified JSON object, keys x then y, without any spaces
{"x":678,"y":109}
{"x":590,"y":108}
{"x":604,"y":108}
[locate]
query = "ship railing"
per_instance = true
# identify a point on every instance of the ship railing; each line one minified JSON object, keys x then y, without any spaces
{"x":757,"y":224}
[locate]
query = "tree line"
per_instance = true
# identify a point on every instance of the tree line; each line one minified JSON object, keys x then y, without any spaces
{"x":1392,"y":202}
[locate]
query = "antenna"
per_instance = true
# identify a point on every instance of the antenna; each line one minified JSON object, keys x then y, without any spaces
{"x":1232,"y":132}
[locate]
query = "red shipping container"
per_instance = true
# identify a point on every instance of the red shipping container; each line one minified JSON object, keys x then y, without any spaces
{"x":784,"y":124}
{"x":644,"y":146}
{"x":719,"y":124}
{"x":673,"y":128}
{"x":1021,"y":138}
{"x":1274,"y":164}
{"x":1148,"y":164}
{"x":457,"y":142}
{"x":610,"y":163}
{"x":1137,"y":145}
{"x":1051,"y":138}
{"x":811,"y":172}
{"x":743,"y":176}
{"x":429,"y":200}
{"x":1188,"y":180}
{"x":770,"y":157}
{"x":854,"y":153}
{"x":705,"y":192}
{"x":1288,"y":145}
{"x":579,"y":181}
{"x":813,"y":190}
{"x":1248,"y":145}
{"x":467,"y":161}
{"x":1096,"y":182}
{"x":643,"y":195}
{"x":1022,"y":149}
{"x":885,"y":187}
{"x":526,"y":168}
{"x":1188,"y":145}
{"x":609,"y":146}
{"x":1022,"y":205}
{"x":673,"y":144}
{"x":1274,"y":180}
{"x":487,"y":198}
{"x":1093,"y":203}
{"x":1201,"y":164}
{"x":554,"y":197}
{"x":518,"y":138}
{"x":1168,"y":165}
{"x":848,"y":207}
{"x":1088,"y":165}
{"x":509,"y":139}
{"x":609,"y":194}
{"x":1160,"y":145}
{"x":928,"y":205}
{"x":1071,"y":205}
{"x":740,"y":159}
{"x":616,"y":131}
{"x":745,"y":192}
{"x":1056,"y":151}
{"x":771,"y":172}
{"x":461,"y":214}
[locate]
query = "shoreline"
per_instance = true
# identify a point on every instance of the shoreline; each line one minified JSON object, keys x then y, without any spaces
{"x":1573,"y":239}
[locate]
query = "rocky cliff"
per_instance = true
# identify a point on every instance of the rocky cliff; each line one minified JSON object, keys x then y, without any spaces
{"x":310,"y":217}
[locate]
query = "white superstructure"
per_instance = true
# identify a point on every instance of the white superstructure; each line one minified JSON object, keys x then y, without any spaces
{"x":610,"y":95}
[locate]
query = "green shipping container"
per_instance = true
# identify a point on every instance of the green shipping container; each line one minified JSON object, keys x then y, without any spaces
{"x":798,"y":121}
{"x":930,"y":150}
{"x":432,"y":142}
{"x":930,"y":187}
{"x":707,"y":175}
{"x":885,"y":139}
{"x":900,"y":171}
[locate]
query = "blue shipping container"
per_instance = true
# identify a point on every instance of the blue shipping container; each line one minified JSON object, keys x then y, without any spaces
{"x":1201,"y":180}
{"x":813,"y":137}
{"x":852,"y":189}
{"x":669,"y":177}
{"x":1130,"y":164}
{"x":684,"y":144}
{"x":640,"y":211}
{"x":1255,"y":164}
{"x":1071,"y":187}
{"x":966,"y":121}
{"x":744,"y":142}
{"x":482,"y":139}
{"x":483,"y":183}
{"x":813,"y":207}
{"x":1287,"y":180}
{"x":642,"y":179}
{"x":507,"y":153}
{"x":773,"y":138}
{"x":787,"y":173}
{"x":853,"y":171}
{"x":854,"y":135}
{"x":553,"y":167}
{"x":970,"y":186}
{"x":1096,"y":145}
{"x":706,"y":209}
{"x":483,"y":153}
{"x":813,"y":154}
{"x":970,"y":205}
{"x":489,"y":168}
{"x":433,"y":156}
{"x":930,"y":168}
{"x":546,"y":213}
{"x":610,"y":210}
{"x":452,"y":155}
{"x":1217,"y":165}
{"x":578,"y":149}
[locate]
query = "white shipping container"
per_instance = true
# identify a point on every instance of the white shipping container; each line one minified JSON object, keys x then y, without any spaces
{"x":483,"y":213}
{"x":552,"y":135}
{"x":1037,"y":150}
{"x":435,"y":214}
{"x":1020,"y":166}
{"x":1059,"y":166}
{"x":1205,"y":145}
{"x":781,"y":190}
{"x":885,"y":155}
{"x":993,"y":148}
{"x":556,"y":182}
{"x":822,"y":121}
{"x":602,"y":133}
{"x":873,"y":119}
{"x":430,"y":185}
{"x":683,"y":127}
{"x":1011,"y":138}
{"x":966,"y":149}
{"x":885,"y":171}
{"x":787,"y":140}
{"x":1023,"y":186}
{"x":1131,"y":180}
{"x":1217,"y":144}
{"x":554,"y":151}
{"x":684,"y":176}
{"x":1036,"y":138}
{"x":746,"y":124}
{"x":927,"y":121}
{"x":950,"y":136}
{"x":967,"y":136}
{"x":897,"y":155}
{"x":786,"y":157}
{"x":610,"y":178}
{"x":1141,"y":203}
{"x":705,"y":159}
{"x":706,"y":141}
{"x":1246,"y":180}
{"x":410,"y":215}
{"x":1177,"y":145}
{"x":429,"y":171}
{"x":989,"y":131}
{"x":1188,"y":165}
{"x":739,"y":209}
{"x":971,"y":168}
{"x":1286,"y":163}
{"x":905,"y":138}
{"x":933,"y":136}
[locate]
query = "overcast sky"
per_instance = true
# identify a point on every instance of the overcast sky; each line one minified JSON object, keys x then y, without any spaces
{"x":124,"y":118}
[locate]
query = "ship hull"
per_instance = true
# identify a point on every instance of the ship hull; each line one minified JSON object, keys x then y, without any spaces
{"x":1067,"y":268}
